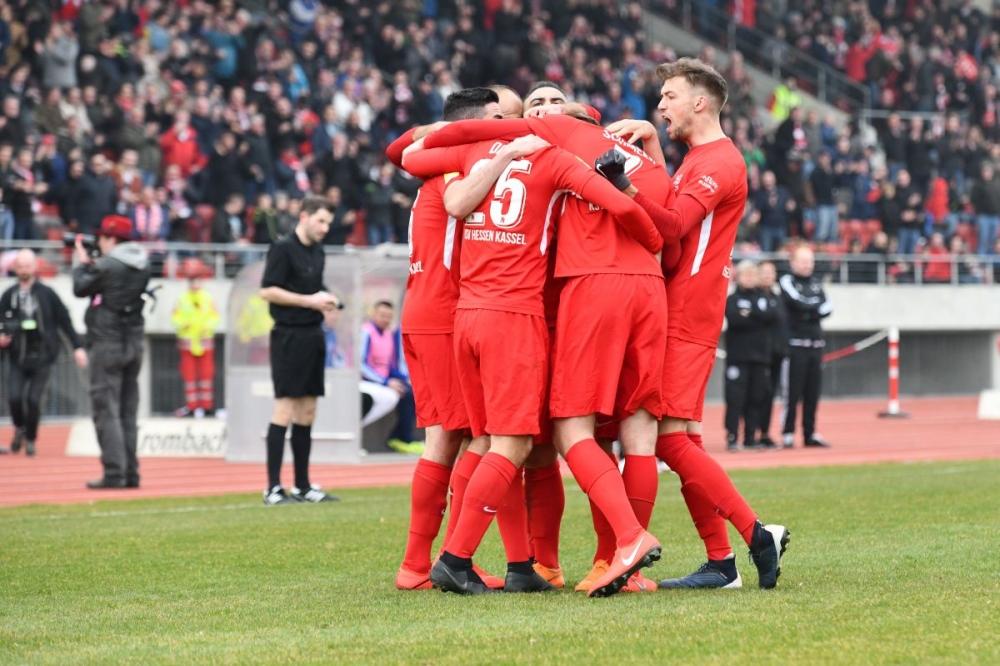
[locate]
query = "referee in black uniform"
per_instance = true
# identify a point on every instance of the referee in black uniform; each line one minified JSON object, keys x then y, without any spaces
{"x":293,"y":285}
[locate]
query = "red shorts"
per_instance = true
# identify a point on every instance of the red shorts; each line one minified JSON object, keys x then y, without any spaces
{"x":608,"y":354}
{"x":502,"y":360}
{"x":545,"y":432}
{"x":605,"y":429}
{"x":686,"y":369}
{"x":436,"y":391}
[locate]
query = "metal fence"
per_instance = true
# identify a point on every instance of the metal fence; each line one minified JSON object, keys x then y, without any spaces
{"x":839,"y":268}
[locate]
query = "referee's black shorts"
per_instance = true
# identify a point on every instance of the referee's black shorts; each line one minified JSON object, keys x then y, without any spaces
{"x":297,"y":357}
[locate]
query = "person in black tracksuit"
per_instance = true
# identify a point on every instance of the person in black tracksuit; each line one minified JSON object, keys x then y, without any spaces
{"x":806,"y":304}
{"x":778,"y":344}
{"x":749,"y":316}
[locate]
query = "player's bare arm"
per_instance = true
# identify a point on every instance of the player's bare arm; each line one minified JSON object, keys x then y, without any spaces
{"x":463,"y":196}
{"x":635,"y":130}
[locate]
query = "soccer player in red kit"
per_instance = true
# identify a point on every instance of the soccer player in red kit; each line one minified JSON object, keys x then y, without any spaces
{"x":503,"y":376}
{"x":711,"y":193}
{"x":611,"y":329}
{"x":427,"y":323}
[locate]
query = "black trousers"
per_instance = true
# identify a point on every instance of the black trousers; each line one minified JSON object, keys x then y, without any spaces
{"x":774,"y":387}
{"x":25,"y":387}
{"x":805,"y":377}
{"x":745,"y":391}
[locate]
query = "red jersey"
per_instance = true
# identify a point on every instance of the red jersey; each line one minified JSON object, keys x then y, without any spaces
{"x":432,"y":287}
{"x":591,"y":243}
{"x":505,"y":240}
{"x":715,"y":175}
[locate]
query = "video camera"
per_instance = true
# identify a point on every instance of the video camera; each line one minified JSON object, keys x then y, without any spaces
{"x":89,"y":242}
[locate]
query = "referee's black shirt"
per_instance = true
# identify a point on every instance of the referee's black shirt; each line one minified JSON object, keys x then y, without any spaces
{"x":296,"y":268}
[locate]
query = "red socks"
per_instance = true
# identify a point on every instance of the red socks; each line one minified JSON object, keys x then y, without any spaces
{"x":460,"y":476}
{"x":428,"y":500}
{"x":701,"y":475}
{"x":512,"y":521}
{"x":488,"y":489}
{"x":599,"y":478}
{"x":546,"y":500}
{"x":641,"y":479}
{"x":711,"y":526}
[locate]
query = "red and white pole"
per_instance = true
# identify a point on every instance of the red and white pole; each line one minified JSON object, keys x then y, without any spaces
{"x":893,"y":411}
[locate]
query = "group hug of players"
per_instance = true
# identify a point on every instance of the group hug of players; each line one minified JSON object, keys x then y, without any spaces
{"x":564,"y":293}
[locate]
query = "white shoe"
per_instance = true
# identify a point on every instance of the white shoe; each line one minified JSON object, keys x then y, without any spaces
{"x":314,"y":495}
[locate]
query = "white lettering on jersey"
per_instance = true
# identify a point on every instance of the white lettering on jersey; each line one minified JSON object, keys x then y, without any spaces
{"x":708,"y":183}
{"x":706,"y":232}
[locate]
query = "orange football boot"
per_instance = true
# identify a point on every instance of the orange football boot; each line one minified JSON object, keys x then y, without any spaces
{"x":552,"y":576}
{"x":411,"y":580}
{"x":600,"y":568}
{"x":491,"y":581}
{"x":639,"y":583}
{"x":641,"y":552}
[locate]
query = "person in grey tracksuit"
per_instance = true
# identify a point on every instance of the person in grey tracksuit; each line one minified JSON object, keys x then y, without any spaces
{"x":115,"y":282}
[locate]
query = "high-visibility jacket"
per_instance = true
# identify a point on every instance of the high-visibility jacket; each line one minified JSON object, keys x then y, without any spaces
{"x":196,"y":321}
{"x":255,"y":319}
{"x":785,"y":99}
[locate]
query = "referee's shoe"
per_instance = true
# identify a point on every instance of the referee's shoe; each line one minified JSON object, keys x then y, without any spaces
{"x":277,"y":495}
{"x":313,"y":494}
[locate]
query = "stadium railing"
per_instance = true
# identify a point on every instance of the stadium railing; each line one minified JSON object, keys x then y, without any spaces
{"x":226,"y":260}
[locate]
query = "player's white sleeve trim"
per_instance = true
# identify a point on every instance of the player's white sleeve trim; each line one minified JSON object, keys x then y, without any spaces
{"x":706,"y":232}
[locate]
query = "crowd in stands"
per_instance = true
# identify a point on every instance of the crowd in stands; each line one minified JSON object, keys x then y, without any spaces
{"x":209,"y":121}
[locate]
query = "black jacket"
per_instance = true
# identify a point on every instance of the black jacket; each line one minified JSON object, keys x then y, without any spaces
{"x":777,"y":331}
{"x":39,"y":346}
{"x":749,"y":317}
{"x":120,"y":279}
{"x":96,"y":198}
{"x":806,"y":305}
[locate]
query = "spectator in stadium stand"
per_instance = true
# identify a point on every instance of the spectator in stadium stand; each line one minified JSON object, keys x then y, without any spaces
{"x":749,"y":318}
{"x":773,"y":205}
{"x":806,"y":304}
{"x":25,"y":185}
{"x":910,"y":202}
{"x":938,"y":262}
{"x":822,"y":192}
{"x":56,"y":56}
{"x":225,"y":170}
{"x":150,"y":218}
{"x":379,"y":207}
{"x":985,"y":200}
{"x":343,"y":219}
{"x":229,"y":224}
{"x":970,"y":268}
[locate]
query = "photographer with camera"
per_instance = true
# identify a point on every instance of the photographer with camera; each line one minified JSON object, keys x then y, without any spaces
{"x":31,"y":317}
{"x":115,"y":282}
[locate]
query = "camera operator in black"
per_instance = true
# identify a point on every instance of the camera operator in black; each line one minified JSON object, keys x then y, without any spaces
{"x":116,"y":282}
{"x":806,"y":304}
{"x":748,"y":355}
{"x":778,"y":343}
{"x":31,"y":317}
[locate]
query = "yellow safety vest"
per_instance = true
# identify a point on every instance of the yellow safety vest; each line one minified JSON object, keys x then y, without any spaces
{"x":255,"y":319}
{"x":196,"y":321}
{"x":785,"y":99}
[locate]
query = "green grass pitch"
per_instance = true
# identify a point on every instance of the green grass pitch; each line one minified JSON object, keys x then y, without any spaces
{"x":888,"y":564}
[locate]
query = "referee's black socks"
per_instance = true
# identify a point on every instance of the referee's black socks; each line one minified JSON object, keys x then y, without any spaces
{"x":275,"y":453}
{"x":301,"y":447}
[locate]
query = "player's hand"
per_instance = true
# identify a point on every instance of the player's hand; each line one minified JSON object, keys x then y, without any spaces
{"x":611,"y":165}
{"x":543,"y":110}
{"x":80,"y":356}
{"x":398,"y":386}
{"x":526,"y":145}
{"x":633,"y":130}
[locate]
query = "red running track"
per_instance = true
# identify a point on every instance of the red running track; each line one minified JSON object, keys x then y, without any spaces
{"x":938,"y":429}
